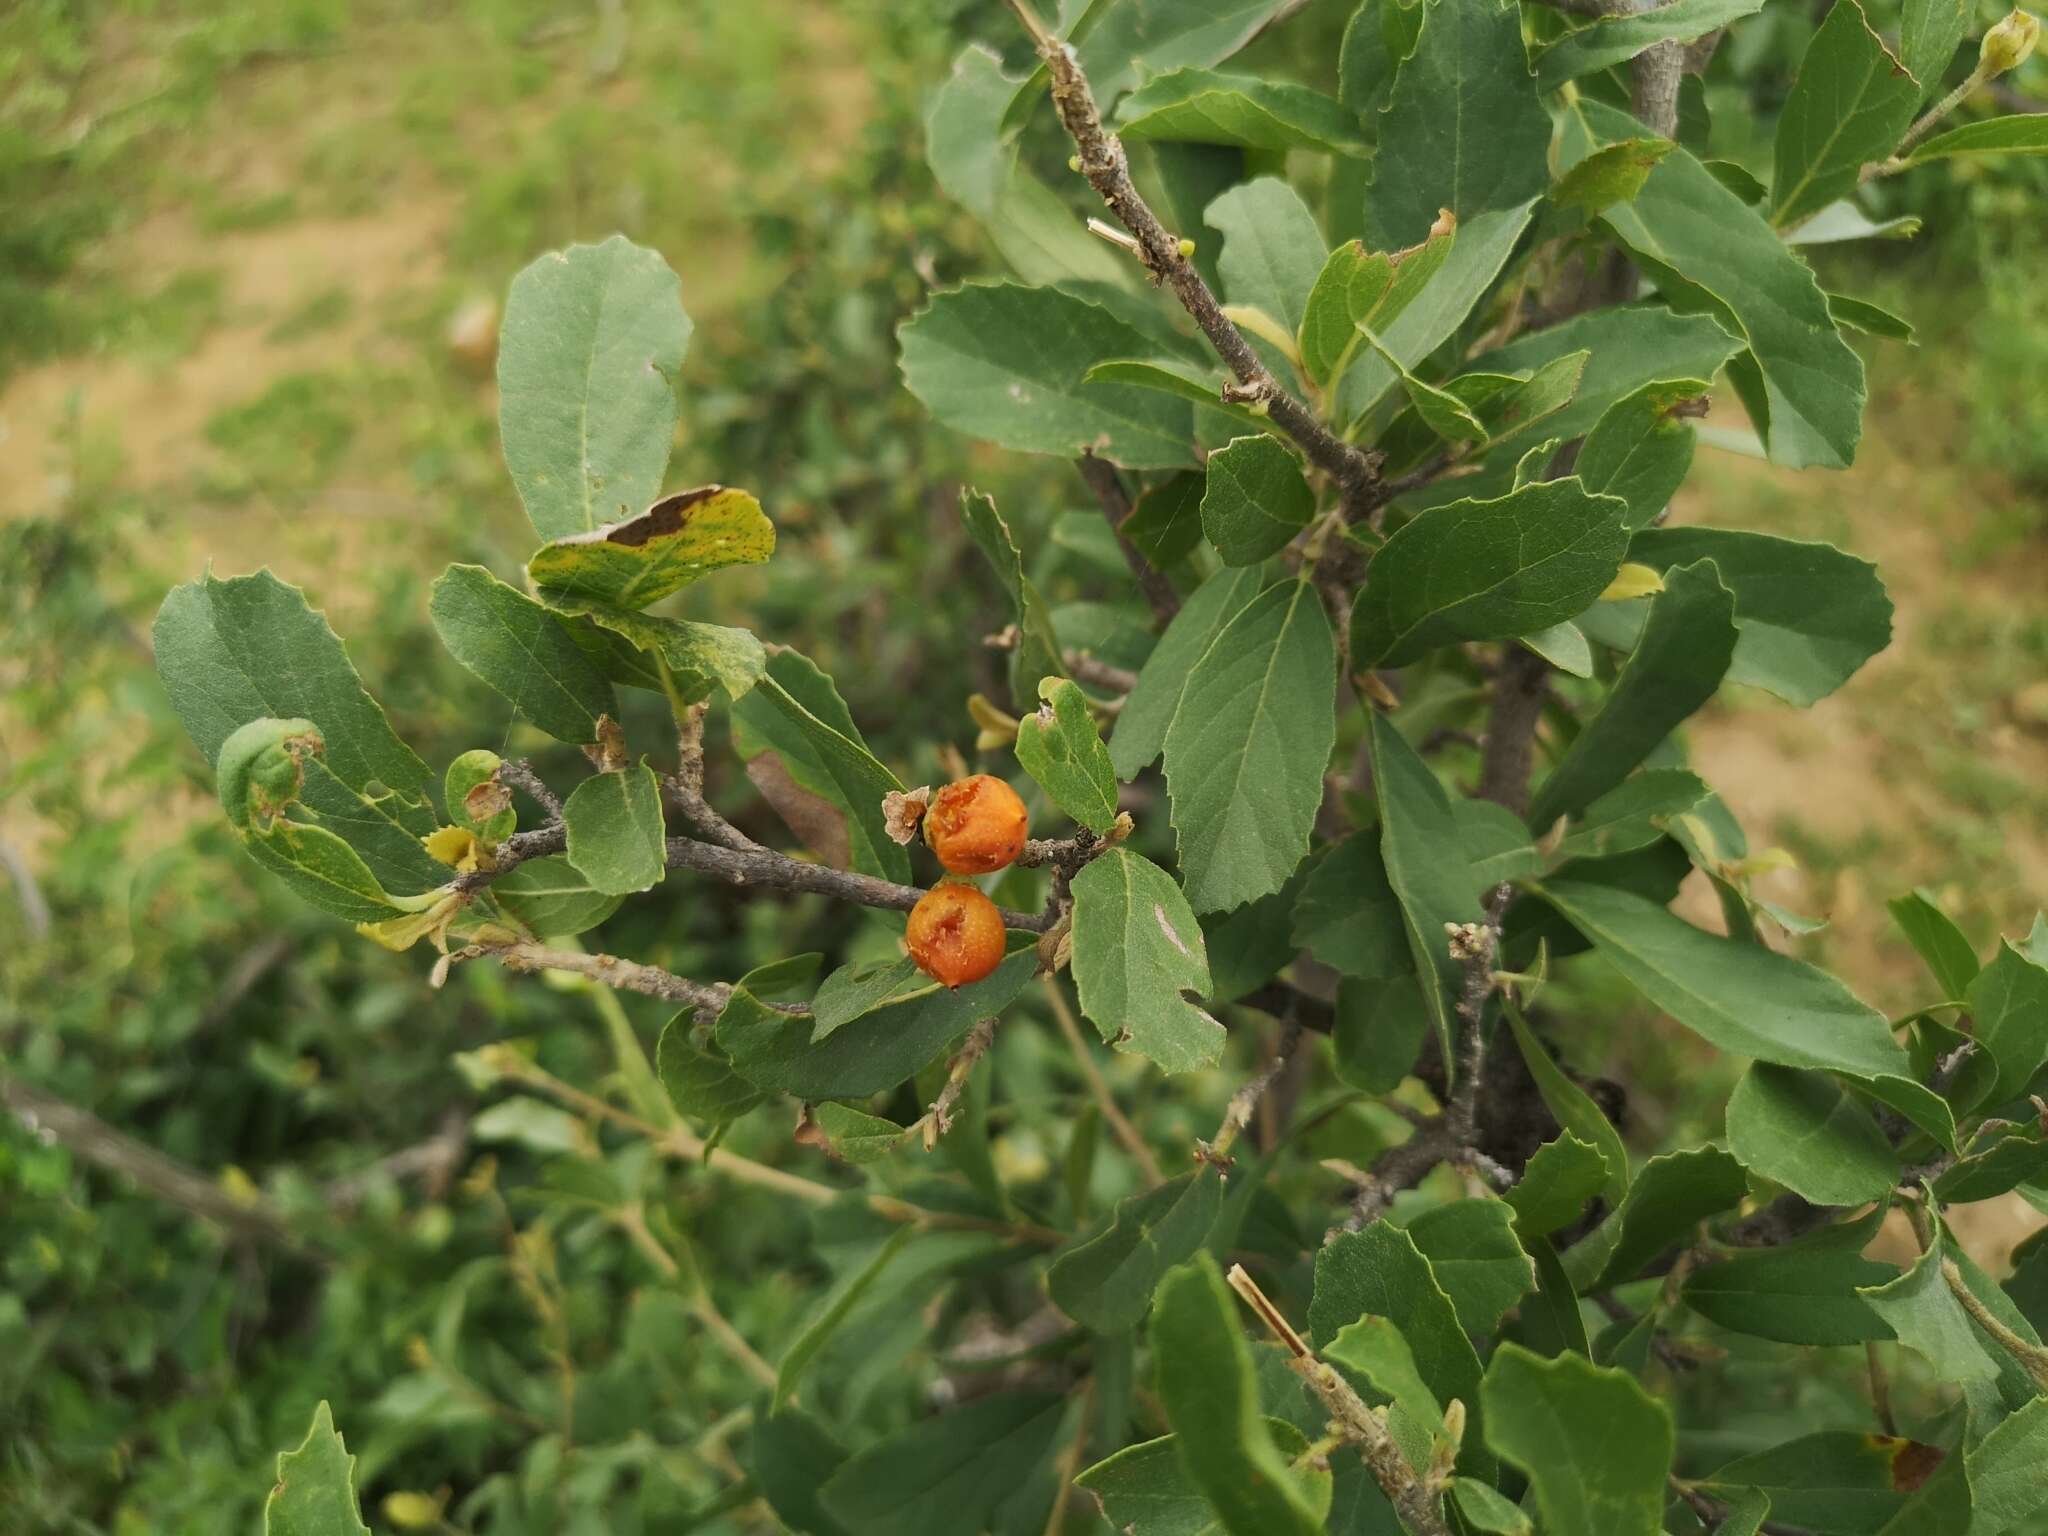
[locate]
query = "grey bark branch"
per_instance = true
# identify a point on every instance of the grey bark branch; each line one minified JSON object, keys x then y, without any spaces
{"x":1108,"y":487}
{"x":1355,"y":470}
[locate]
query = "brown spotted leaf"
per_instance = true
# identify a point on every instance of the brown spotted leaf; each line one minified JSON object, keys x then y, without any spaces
{"x":678,"y":540}
{"x":1139,"y":960}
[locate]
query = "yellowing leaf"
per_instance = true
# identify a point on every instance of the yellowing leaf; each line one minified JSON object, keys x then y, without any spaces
{"x":1632,"y":580}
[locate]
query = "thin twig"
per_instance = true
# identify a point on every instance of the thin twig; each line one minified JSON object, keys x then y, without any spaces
{"x":1355,"y":470}
{"x":1243,"y":1103}
{"x":686,"y":785}
{"x":612,"y":970}
{"x":520,"y":775}
{"x":1098,"y":1086}
{"x":1108,"y":487}
{"x":1099,"y":673}
{"x":939,"y":1118}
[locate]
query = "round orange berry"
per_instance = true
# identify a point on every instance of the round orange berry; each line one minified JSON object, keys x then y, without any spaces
{"x":955,"y":934}
{"x":977,"y":825}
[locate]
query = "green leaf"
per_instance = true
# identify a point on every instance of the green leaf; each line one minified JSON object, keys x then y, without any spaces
{"x":1463,"y":126}
{"x":1668,"y":1198}
{"x":1836,"y":1480}
{"x":1037,"y":655}
{"x":1062,"y":751}
{"x":803,"y":751}
{"x":1799,"y":1129}
{"x":2009,"y":1002}
{"x":322,"y":870}
{"x":1571,"y":1106}
{"x":523,"y":651}
{"x":1481,"y":248}
{"x":1200,"y":384}
{"x":1807,"y":616}
{"x":1133,"y":39}
{"x":551,"y":898}
{"x":1256,"y":499}
{"x":1611,"y":175}
{"x":701,"y":1082}
{"x":791,"y":1456}
{"x":1378,"y":1030}
{"x":852,"y":1135}
{"x":1633,"y":814}
{"x":1802,"y":1292}
{"x":1708,"y":250}
{"x":948,"y":1473}
{"x":1687,"y":640}
{"x":1596,"y":1446}
{"x":1844,"y":221}
{"x":1928,"y":1319}
{"x":1486,"y":1509}
{"x":1423,"y":851}
{"x":641,"y":559}
{"x":1106,"y":1282}
{"x":1202,"y":107}
{"x":1203,"y":1372}
{"x":2020,"y":133}
{"x":872,"y":1053}
{"x":1740,"y":997}
{"x":616,"y":837}
{"x":315,"y":1493}
{"x":1145,"y":1490}
{"x":1247,"y":747}
{"x":832,"y":1311}
{"x":592,"y":342}
{"x":1553,"y":1190}
{"x":1365,"y":288}
{"x":1930,"y":31}
{"x":1348,"y":916}
{"x":251,"y":648}
{"x":1149,"y":708}
{"x":1564,"y":646}
{"x":1373,"y":1350}
{"x":1009,"y":365}
{"x":1869,"y":318}
{"x":1487,"y":570}
{"x":2006,"y":1486}
{"x":1616,"y":39}
{"x":1273,"y":249}
{"x":855,"y":990}
{"x":1851,"y":102}
{"x":1251,"y":945}
{"x":1138,"y":960}
{"x":1641,"y":448}
{"x":1997,"y":1163}
{"x":1380,"y":1272}
{"x":1471,"y":1248}
{"x":698,"y":658}
{"x":1165,"y":521}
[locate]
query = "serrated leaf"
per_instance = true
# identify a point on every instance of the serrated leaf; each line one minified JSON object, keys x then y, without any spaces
{"x":315,"y":1493}
{"x":1928,"y":1319}
{"x":1849,"y":105}
{"x":1667,"y":1199}
{"x":2006,"y":1486}
{"x":2018,"y":133}
{"x":1373,"y":1350}
{"x":1799,"y":1129}
{"x":1009,"y":364}
{"x":1553,"y":1190}
{"x":1995,"y":1164}
{"x":1641,"y":448}
{"x":1145,"y":1490}
{"x":1106,"y":1282}
{"x":1348,"y":916}
{"x":698,"y":658}
{"x":946,"y":1473}
{"x":701,"y":1082}
{"x":795,"y":717}
{"x":1060,"y":748}
{"x":522,"y":651}
{"x":1487,"y":570}
{"x":1149,"y":708}
{"x":1596,"y":1446}
{"x":1678,"y":663}
{"x":1165,"y":521}
{"x":1358,"y":288}
{"x":1251,"y":945}
{"x":1136,"y":38}
{"x":251,"y":648}
{"x":1930,"y":31}
{"x":1708,"y":250}
{"x":1616,"y":39}
{"x":1463,"y":126}
{"x":1203,"y":1371}
{"x":1807,"y":616}
{"x":591,"y":346}
{"x":1138,"y":958}
{"x":1246,"y":750}
{"x":641,"y":559}
{"x":616,"y":837}
{"x":2009,"y":1002}
{"x":877,"y":1051}
{"x":1273,"y":249}
{"x":1203,"y":107}
{"x":1471,"y":1248}
{"x":1380,"y":1272}
{"x":551,"y":898}
{"x":1424,"y":856}
{"x":1254,"y":500}
{"x":1838,"y":1480}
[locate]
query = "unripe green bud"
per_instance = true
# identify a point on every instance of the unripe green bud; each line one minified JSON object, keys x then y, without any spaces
{"x":2009,"y":44}
{"x":261,"y":769}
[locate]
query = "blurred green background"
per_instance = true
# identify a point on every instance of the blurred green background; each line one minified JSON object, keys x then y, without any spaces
{"x":250,"y":252}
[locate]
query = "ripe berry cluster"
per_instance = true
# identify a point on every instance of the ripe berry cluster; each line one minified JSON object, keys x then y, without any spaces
{"x":976,"y":827}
